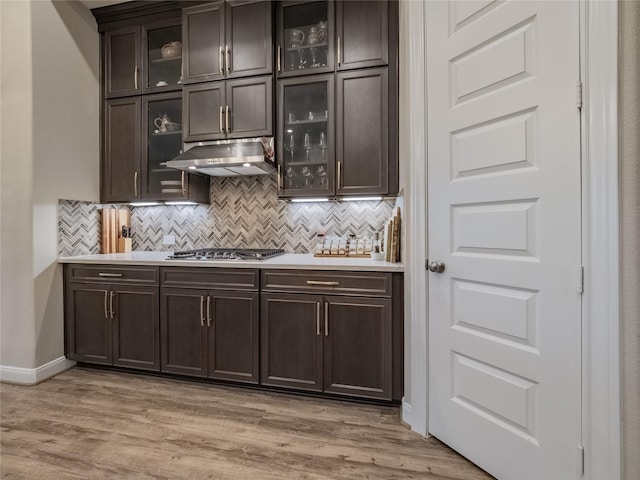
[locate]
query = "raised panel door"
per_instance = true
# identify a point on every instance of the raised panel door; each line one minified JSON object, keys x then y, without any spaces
{"x":121,"y":162}
{"x":291,"y":341}
{"x":122,"y":59}
{"x":249,"y":44}
{"x":358,"y":346}
{"x":362,"y":132}
{"x":88,"y":326}
{"x":362,"y":34}
{"x":203,"y":42}
{"x":249,"y":107}
{"x":234,"y":342}
{"x":136,"y":327}
{"x":183,"y":331}
{"x":204,"y":112}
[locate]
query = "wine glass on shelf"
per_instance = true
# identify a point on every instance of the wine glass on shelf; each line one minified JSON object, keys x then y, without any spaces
{"x":307,"y":144}
{"x":291,"y":145}
{"x":307,"y":176}
{"x":323,"y":143}
{"x":314,"y":57}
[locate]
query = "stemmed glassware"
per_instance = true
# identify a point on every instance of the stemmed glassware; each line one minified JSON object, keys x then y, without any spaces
{"x":307,"y":144}
{"x":322,"y":143}
{"x":291,"y":145}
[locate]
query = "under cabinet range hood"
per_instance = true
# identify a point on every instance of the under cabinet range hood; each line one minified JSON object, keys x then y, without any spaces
{"x":227,"y":158}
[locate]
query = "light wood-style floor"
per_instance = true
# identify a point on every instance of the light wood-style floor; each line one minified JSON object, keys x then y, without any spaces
{"x":94,"y":424}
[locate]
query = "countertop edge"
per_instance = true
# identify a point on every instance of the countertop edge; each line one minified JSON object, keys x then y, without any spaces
{"x":284,"y":262}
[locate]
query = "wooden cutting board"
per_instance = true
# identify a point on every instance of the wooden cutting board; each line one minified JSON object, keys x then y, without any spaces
{"x":113,"y":219}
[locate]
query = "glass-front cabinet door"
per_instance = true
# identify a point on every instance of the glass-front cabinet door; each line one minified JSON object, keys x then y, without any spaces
{"x":162,"y":125}
{"x":163,"y":56}
{"x":305,"y":136}
{"x":305,"y":38}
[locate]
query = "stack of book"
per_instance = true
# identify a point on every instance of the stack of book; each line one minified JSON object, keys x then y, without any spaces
{"x":392,"y":237}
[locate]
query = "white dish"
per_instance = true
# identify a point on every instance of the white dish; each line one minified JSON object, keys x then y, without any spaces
{"x":171,"y":190}
{"x":167,"y":183}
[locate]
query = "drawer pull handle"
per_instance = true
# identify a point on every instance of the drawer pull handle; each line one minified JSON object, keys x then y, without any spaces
{"x":318,"y":318}
{"x":111,"y":304}
{"x":209,"y":311}
{"x":324,"y":284}
{"x":106,"y":313}
{"x":102,"y":274}
{"x":326,"y":319}
{"x":201,"y":311}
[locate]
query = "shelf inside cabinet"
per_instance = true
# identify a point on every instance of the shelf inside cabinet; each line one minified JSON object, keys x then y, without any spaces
{"x":304,"y":47}
{"x":168,"y":59}
{"x":303,"y":164}
{"x":163,"y":134}
{"x":307,"y":122}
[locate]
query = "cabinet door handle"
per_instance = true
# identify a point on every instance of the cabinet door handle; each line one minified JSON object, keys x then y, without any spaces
{"x":339,"y":52}
{"x":135,"y":78}
{"x":339,"y":175}
{"x":111,"y":304}
{"x":318,"y":318}
{"x":106,"y":314}
{"x":221,"y":61}
{"x":209,"y":319}
{"x":184,"y":188}
{"x":102,"y":274}
{"x":227,"y":119}
{"x":221,"y":124}
{"x":226,"y":59}
{"x":326,"y":319}
{"x":279,"y":183}
{"x":135,"y":183}
{"x":201,"y":311}
{"x":325,"y":284}
{"x":278,"y":59}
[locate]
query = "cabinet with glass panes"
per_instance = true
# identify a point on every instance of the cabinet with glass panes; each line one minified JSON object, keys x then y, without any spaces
{"x":163,"y":56}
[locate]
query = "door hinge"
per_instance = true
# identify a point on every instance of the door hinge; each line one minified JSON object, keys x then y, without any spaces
{"x":579,"y":95}
{"x":580,"y":279}
{"x":580,"y":460}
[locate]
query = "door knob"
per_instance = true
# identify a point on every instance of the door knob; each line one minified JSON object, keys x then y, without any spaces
{"x":436,"y":267}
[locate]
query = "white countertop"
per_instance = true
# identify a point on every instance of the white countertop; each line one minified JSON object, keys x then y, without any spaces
{"x":288,"y":261}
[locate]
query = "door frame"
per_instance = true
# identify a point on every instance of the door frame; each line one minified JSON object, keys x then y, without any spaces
{"x":601,"y":412}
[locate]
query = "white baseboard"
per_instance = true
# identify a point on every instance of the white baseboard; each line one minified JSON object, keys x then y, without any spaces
{"x":31,"y":376}
{"x":407,"y":415}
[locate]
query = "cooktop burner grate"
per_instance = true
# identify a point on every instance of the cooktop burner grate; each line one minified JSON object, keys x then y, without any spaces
{"x":227,"y":254}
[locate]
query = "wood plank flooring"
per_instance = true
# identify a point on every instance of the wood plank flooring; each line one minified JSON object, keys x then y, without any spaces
{"x":95,"y":424}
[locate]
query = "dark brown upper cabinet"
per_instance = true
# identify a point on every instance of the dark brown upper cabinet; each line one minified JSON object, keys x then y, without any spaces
{"x":362,"y":30}
{"x":227,"y":40}
{"x":239,"y":108}
{"x":143,"y":58}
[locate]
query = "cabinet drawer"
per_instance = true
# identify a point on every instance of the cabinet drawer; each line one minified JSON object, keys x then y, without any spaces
{"x":112,"y":274}
{"x":202,"y":277}
{"x":332,"y":282}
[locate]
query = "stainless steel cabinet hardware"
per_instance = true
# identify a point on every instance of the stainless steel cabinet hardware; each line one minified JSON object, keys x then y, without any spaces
{"x":135,"y":77}
{"x":221,"y":124}
{"x":226,"y":59}
{"x":279,"y":173}
{"x":221,"y":61}
{"x":111,"y":303}
{"x":201,"y":311}
{"x":318,"y":318}
{"x":102,"y":274}
{"x":326,"y":284}
{"x":278,"y":59}
{"x":339,"y":53}
{"x":339,"y":172}
{"x":135,"y":183}
{"x":184,"y":188}
{"x":208,"y":311}
{"x":436,"y":266}
{"x":227,"y":119}
{"x":326,"y":319}
{"x":106,"y":314}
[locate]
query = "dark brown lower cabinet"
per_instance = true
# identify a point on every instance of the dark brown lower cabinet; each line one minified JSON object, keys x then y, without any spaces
{"x":113,"y":325}
{"x":335,"y":344}
{"x":210,"y":333}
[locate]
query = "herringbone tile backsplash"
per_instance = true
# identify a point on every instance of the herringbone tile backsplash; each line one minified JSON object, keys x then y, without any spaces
{"x":244,"y":212}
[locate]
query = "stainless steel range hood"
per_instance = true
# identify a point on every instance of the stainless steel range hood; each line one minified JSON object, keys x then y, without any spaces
{"x":227,"y":158}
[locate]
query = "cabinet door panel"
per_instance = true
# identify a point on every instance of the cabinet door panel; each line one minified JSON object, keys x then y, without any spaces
{"x":357,"y":346}
{"x":135,"y":327}
{"x":183,"y":332}
{"x":201,"y":112}
{"x":291,"y":344}
{"x":88,"y":328}
{"x":249,"y":38}
{"x":121,"y":163}
{"x":251,"y":113}
{"x":122,"y":62}
{"x":363,"y":30}
{"x":203,"y":39}
{"x":233,"y":336}
{"x":362,"y":127}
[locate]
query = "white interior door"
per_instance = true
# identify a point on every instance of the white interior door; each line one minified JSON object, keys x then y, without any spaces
{"x":504,"y":205}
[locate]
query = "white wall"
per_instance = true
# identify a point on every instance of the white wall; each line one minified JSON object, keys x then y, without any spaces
{"x":50,"y":150}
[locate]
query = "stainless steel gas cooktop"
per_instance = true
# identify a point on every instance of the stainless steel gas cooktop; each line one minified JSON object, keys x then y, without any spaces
{"x":227,"y":254}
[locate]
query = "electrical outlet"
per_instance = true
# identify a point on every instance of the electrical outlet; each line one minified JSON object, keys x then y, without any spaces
{"x":169,"y":240}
